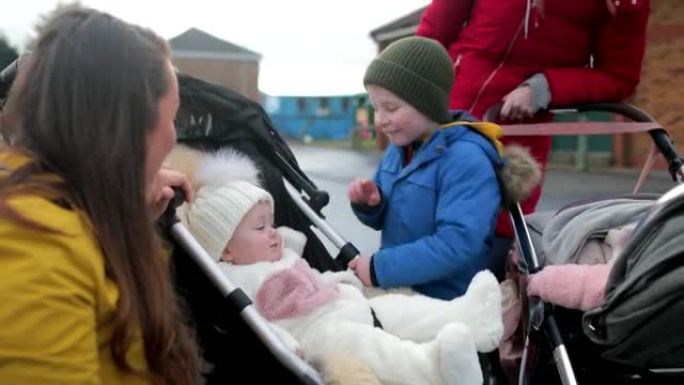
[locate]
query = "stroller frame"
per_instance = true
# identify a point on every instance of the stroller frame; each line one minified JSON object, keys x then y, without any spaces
{"x":299,"y":188}
{"x":235,"y":297}
{"x":541,"y":315}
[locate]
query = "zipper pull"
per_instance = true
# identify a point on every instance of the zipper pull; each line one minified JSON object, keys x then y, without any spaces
{"x":457,"y":62}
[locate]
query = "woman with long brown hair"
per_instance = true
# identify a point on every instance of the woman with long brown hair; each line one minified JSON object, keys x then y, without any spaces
{"x":86,"y":289}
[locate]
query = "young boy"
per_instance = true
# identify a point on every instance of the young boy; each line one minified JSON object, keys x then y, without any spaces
{"x":435,"y":194}
{"x":424,"y":340}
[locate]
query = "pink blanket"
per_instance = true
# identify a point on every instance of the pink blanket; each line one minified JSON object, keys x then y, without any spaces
{"x":293,"y":292}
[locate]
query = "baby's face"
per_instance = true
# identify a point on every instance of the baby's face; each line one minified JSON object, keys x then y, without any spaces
{"x":255,"y":239}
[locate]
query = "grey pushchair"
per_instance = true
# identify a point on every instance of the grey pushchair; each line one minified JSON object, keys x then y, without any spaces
{"x":637,"y":335}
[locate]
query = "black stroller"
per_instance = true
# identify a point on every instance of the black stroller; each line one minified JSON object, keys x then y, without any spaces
{"x":637,"y":335}
{"x":230,"y":331}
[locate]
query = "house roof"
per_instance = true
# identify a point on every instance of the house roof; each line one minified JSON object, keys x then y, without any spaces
{"x":195,"y":43}
{"x":403,"y":26}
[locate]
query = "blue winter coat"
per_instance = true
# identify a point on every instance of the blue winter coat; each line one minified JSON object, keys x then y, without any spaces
{"x":437,"y":214}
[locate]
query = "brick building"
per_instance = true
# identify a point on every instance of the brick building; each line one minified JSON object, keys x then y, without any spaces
{"x":207,"y":57}
{"x":661,"y":91}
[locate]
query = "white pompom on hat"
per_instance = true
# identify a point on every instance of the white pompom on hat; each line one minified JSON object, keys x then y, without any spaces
{"x":227,"y":190}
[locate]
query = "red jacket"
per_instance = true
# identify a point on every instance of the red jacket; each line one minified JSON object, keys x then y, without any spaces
{"x":495,"y":48}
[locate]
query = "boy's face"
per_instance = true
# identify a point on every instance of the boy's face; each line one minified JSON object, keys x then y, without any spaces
{"x":255,"y":239}
{"x":401,"y":122}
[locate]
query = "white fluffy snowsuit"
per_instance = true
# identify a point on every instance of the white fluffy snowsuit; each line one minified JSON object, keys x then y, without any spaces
{"x":423,"y":340}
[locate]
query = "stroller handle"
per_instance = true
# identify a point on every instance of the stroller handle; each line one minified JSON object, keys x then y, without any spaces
{"x":627,"y":110}
{"x":347,"y":251}
{"x":7,"y":77}
{"x":658,"y":134}
{"x":169,"y":217}
{"x":317,"y":198}
{"x":9,"y":73}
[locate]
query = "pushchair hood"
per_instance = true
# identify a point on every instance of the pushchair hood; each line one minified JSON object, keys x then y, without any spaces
{"x":644,"y":303}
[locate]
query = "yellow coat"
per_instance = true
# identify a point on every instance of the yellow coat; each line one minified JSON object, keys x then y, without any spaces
{"x":56,"y":299}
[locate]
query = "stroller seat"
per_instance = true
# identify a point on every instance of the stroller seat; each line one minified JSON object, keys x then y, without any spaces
{"x":635,"y":337}
{"x":212,"y":117}
{"x":622,"y":342}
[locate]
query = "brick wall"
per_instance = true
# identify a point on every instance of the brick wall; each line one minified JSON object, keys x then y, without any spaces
{"x":240,"y":76}
{"x":661,"y":91}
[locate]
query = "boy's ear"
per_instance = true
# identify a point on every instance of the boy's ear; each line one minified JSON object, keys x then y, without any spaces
{"x":227,"y":256}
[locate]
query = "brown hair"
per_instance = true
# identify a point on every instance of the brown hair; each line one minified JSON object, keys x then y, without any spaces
{"x":83,"y":111}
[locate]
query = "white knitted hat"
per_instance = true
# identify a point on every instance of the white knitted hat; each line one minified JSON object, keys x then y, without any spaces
{"x":217,"y":211}
{"x":227,"y":191}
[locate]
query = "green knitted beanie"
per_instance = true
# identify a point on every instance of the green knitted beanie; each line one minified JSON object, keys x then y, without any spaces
{"x":418,"y":70}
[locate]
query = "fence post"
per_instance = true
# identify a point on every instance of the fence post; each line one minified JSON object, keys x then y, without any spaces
{"x":582,"y":152}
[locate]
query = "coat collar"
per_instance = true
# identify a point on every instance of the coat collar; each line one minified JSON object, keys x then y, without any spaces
{"x":432,"y":149}
{"x":437,"y":144}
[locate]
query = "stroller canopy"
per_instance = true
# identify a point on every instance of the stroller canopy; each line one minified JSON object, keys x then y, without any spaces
{"x":641,"y":322}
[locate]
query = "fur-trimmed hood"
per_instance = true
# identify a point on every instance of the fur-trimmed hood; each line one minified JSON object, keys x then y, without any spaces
{"x":519,"y":175}
{"x":518,"y":172}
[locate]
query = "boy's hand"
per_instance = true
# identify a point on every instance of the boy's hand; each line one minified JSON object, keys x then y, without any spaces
{"x":361,"y":266}
{"x":364,"y":191}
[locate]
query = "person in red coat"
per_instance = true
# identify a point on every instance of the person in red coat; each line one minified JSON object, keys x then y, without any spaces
{"x":536,"y":54}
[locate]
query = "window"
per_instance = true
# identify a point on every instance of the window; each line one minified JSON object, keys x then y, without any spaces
{"x":345,"y":105}
{"x":301,"y":105}
{"x":323,"y":107}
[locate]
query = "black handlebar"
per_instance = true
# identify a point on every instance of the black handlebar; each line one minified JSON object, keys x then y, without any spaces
{"x":169,"y":217}
{"x":317,"y":198}
{"x":7,"y":77}
{"x":659,"y":135}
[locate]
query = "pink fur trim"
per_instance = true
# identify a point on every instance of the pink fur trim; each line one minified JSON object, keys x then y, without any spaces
{"x":572,"y":286}
{"x":293,"y":292}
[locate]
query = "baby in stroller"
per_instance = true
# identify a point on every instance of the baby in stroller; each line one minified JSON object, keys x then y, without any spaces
{"x":424,"y":340}
{"x":578,"y":247}
{"x":617,"y":261}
